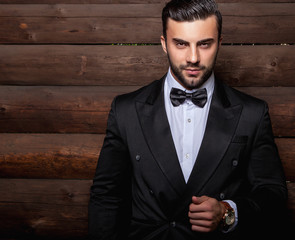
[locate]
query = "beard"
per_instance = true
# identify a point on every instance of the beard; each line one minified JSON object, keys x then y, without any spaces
{"x":191,"y":81}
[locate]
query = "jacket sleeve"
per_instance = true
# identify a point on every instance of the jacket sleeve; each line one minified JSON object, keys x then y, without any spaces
{"x":108,"y":210}
{"x":264,"y":208}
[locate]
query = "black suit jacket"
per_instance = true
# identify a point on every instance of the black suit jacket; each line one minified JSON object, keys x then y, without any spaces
{"x":139,"y":190}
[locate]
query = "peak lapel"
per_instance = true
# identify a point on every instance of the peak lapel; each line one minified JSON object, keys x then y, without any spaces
{"x":156,"y":129}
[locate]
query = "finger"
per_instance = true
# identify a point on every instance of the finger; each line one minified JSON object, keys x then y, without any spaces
{"x":200,"y":216}
{"x":199,"y":200}
{"x":196,"y":208}
{"x":201,"y":223}
{"x":199,"y":204}
{"x":201,"y":227}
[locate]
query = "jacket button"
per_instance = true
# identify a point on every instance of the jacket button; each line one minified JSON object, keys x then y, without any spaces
{"x":173,"y":224}
{"x":137,"y":157}
{"x":151,"y":191}
{"x":235,"y":163}
{"x":222,"y":196}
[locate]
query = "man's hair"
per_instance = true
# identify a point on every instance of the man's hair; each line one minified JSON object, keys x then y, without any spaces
{"x":191,"y":10}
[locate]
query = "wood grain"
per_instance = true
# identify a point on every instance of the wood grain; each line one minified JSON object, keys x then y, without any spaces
{"x":127,"y":1}
{"x":59,"y":73}
{"x":56,"y":109}
{"x":281,"y":103}
{"x":84,"y":109}
{"x":52,"y":208}
{"x":140,"y":23}
{"x":81,"y":65}
{"x":70,"y":156}
{"x":61,"y":156}
{"x":254,"y":66}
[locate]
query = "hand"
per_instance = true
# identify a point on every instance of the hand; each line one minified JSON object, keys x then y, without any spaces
{"x":205,"y":213}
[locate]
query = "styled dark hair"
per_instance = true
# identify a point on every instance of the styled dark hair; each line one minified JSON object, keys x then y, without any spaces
{"x":191,"y":10}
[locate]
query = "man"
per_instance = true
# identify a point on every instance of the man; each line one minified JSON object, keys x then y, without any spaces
{"x":187,"y":157}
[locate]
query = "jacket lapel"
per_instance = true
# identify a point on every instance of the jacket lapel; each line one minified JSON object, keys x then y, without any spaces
{"x":156,"y":129}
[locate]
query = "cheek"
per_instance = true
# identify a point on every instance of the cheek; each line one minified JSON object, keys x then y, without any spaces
{"x":176,"y":56}
{"x":208,"y":57}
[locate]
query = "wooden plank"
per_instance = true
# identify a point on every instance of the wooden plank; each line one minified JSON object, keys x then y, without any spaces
{"x":137,"y":65}
{"x":44,"y":208}
{"x":281,"y":103}
{"x":72,"y":156}
{"x":140,"y":23}
{"x":256,"y":66}
{"x":286,"y":147}
{"x":90,"y":1}
{"x":126,"y":1}
{"x":142,"y":10}
{"x":82,"y":109}
{"x":81,"y":65}
{"x":64,"y":156}
{"x":54,"y":208}
{"x":56,"y":109}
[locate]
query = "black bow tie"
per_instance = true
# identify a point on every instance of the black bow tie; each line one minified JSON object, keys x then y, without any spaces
{"x":178,"y":97}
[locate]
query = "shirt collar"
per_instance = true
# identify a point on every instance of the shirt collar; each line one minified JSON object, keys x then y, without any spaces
{"x":172,"y":83}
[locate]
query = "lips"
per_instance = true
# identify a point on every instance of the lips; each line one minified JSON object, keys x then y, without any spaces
{"x":193,"y":71}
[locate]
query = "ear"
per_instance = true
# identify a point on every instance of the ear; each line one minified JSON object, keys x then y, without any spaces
{"x":220,"y":41}
{"x":163,"y":42}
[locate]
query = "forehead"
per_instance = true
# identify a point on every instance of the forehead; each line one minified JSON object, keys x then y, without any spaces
{"x":193,"y":30}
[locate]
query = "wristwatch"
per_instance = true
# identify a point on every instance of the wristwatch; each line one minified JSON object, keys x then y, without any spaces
{"x":229,"y":217}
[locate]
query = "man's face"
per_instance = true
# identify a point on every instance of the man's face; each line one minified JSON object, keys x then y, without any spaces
{"x":192,"y":49}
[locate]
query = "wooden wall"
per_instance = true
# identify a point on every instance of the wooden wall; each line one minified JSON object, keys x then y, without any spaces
{"x":63,"y":61}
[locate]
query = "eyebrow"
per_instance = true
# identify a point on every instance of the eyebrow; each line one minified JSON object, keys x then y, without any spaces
{"x":207,"y":40}
{"x":178,"y":40}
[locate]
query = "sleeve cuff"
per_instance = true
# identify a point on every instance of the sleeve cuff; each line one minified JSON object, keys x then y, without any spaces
{"x":234,"y":206}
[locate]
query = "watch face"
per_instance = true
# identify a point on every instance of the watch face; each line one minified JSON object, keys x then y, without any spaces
{"x":230,"y":218}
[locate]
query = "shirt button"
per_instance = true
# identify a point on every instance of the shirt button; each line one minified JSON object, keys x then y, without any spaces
{"x":173,"y":224}
{"x":189,"y":120}
{"x":187,"y":156}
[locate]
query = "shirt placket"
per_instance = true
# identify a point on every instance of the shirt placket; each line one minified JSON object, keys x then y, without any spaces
{"x":187,"y":139}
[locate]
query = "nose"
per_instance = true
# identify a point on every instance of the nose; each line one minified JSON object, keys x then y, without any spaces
{"x":193,"y":55}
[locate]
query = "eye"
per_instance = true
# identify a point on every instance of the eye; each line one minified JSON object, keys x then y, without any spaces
{"x":205,"y":45}
{"x":181,"y":45}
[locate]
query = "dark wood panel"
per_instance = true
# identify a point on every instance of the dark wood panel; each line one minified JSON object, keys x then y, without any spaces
{"x":56,"y":109}
{"x":137,"y":65}
{"x":281,"y":103}
{"x":128,"y":1}
{"x":85,"y":109}
{"x":51,"y":209}
{"x":286,"y":147}
{"x":81,"y":65}
{"x":143,"y":10}
{"x":71,"y":156}
{"x":54,"y":208}
{"x":256,"y":66}
{"x":140,"y":23}
{"x":94,"y":1}
{"x":64,"y":156}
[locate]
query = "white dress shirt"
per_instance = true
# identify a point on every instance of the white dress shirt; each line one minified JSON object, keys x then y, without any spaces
{"x":188,"y":123}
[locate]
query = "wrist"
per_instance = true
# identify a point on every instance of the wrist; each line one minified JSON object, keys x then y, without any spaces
{"x":228,"y":218}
